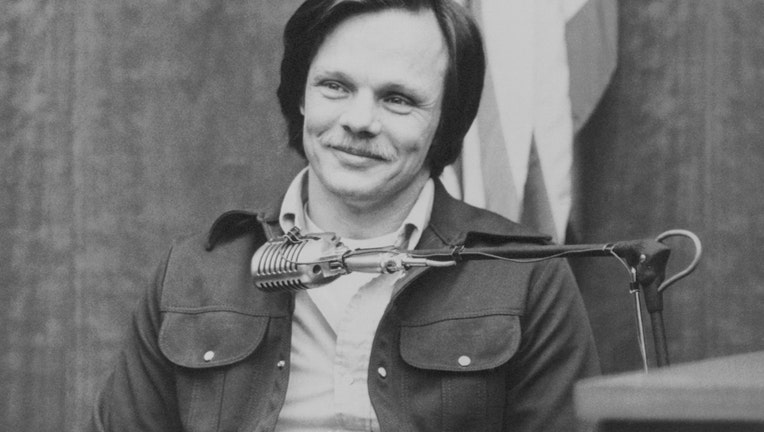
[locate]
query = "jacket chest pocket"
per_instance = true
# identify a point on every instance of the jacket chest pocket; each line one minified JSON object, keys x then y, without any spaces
{"x":212,"y":352}
{"x":454,"y":379}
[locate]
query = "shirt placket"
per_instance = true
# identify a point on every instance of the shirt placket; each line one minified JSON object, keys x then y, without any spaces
{"x":353,"y":407}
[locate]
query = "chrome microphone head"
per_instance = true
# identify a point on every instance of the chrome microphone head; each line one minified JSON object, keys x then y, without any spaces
{"x":297,"y":262}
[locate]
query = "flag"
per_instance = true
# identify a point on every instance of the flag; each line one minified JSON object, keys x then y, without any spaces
{"x":548,"y":63}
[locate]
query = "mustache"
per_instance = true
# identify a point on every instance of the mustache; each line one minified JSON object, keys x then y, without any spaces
{"x":359,"y":147}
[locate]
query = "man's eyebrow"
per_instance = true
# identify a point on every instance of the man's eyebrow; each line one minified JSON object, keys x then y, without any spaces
{"x":401,"y":88}
{"x":330,"y":73}
{"x":416,"y":94}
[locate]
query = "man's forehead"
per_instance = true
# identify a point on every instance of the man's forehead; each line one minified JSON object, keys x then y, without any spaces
{"x":404,"y":39}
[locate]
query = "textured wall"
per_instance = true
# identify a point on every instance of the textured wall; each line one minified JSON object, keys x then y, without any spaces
{"x":677,"y":143}
{"x":125,"y":123}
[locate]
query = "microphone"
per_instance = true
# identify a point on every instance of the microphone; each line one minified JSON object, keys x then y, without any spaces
{"x":296,"y":262}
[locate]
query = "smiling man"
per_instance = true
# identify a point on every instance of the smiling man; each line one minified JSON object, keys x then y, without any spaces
{"x":371,"y":109}
{"x":378,"y":95}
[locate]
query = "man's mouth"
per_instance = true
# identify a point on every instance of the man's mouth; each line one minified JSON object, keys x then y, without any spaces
{"x":360,"y":151}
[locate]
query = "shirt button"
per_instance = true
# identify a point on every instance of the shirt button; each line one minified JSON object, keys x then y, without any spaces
{"x":382,"y":372}
{"x":209,"y":355}
{"x":464,"y":361}
{"x":281,"y":364}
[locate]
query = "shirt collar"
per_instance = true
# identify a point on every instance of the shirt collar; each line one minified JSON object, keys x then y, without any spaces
{"x":293,"y":209}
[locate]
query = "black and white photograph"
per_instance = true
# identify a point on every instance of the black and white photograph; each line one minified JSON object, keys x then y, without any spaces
{"x":381,"y":215}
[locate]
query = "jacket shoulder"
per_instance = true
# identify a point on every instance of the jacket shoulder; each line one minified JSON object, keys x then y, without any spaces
{"x":490,"y":222}
{"x":234,"y":224}
{"x":458,"y":222}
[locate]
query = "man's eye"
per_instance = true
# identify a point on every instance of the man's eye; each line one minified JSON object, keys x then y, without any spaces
{"x":399,"y":104}
{"x":398,"y":100}
{"x":333,"y":88}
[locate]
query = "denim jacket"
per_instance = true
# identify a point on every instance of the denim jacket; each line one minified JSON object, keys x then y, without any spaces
{"x":481,"y":346}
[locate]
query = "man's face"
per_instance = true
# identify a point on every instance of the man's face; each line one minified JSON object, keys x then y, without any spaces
{"x":372,"y":105}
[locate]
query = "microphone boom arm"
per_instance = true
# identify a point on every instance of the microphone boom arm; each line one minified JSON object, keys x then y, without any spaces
{"x":296,"y":262}
{"x":645,"y":259}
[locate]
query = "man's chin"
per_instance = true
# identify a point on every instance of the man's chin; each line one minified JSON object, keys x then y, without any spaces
{"x":356,"y":193}
{"x":353,"y":186}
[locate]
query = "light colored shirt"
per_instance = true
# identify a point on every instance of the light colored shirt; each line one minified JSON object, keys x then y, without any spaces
{"x":334,"y":325}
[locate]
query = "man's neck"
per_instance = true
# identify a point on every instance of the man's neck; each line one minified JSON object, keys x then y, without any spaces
{"x":358,"y":218}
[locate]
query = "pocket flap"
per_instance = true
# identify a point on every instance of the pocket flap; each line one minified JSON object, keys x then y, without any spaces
{"x":210,"y":338}
{"x":461,"y":344}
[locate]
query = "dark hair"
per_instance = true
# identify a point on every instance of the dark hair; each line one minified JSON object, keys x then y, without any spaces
{"x":315,"y":19}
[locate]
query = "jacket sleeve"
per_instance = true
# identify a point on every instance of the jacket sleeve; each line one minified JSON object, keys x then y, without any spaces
{"x":139,"y":395}
{"x":556,"y":350}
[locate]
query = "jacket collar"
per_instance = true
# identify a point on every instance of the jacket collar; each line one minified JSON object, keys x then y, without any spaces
{"x":455,"y":223}
{"x":452,"y":223}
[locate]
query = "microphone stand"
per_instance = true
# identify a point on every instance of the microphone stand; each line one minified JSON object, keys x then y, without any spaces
{"x":645,"y":259}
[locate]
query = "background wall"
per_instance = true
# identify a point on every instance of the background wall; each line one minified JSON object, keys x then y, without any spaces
{"x":677,"y":143}
{"x":123,"y":124}
{"x":126,"y":123}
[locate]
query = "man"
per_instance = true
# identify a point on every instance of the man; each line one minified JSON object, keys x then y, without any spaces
{"x":378,"y":95}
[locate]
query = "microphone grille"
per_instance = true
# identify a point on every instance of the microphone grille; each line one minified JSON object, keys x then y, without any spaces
{"x":283,"y":265}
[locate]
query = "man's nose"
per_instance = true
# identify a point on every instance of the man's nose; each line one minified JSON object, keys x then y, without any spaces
{"x":361,"y":116}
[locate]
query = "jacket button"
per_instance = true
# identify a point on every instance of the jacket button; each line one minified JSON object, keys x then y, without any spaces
{"x":281,"y":364}
{"x":382,"y":372}
{"x":209,"y":355}
{"x":464,"y":361}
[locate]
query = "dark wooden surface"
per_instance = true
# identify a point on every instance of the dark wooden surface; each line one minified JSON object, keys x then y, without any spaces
{"x":729,"y":388}
{"x":124,"y":124}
